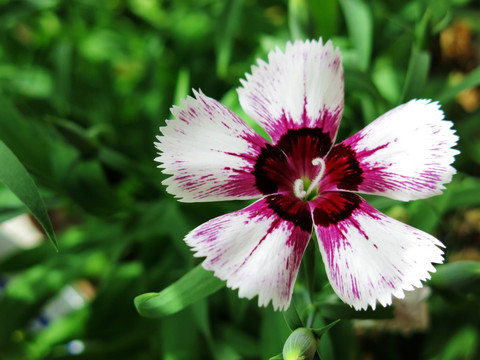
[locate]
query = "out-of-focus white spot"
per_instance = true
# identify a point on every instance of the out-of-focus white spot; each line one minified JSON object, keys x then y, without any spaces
{"x":75,"y":347}
{"x":18,"y":232}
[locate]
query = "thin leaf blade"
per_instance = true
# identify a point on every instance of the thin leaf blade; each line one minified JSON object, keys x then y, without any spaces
{"x":197,"y":284}
{"x":417,"y":73}
{"x":358,"y":18}
{"x":14,"y":175}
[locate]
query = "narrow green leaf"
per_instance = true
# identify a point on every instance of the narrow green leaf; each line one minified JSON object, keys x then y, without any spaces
{"x":325,"y":347}
{"x":361,"y":82}
{"x":423,"y":215}
{"x":76,"y":136}
{"x":273,"y":333}
{"x":19,"y":181}
{"x":291,"y":317}
{"x":418,"y":67}
{"x":319,"y":332}
{"x":463,"y":344}
{"x":182,"y":89}
{"x":460,"y":194}
{"x":457,"y":275}
{"x":360,"y":27}
{"x":386,"y":78}
{"x":62,"y":57}
{"x":468,"y":82}
{"x":325,"y":17}
{"x":422,"y":29}
{"x":298,"y":18}
{"x":22,"y":137}
{"x":193,"y":286}
{"x":231,"y":16}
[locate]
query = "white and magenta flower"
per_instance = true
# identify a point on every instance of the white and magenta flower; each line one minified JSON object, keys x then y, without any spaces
{"x":306,"y":183}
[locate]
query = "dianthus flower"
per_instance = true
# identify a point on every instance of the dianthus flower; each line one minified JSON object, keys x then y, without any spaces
{"x":306,"y":183}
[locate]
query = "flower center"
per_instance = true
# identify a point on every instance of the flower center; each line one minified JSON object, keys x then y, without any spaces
{"x":294,"y":165}
{"x":306,"y":189}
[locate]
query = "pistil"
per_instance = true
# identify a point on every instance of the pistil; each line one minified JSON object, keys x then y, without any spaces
{"x":299,"y":185}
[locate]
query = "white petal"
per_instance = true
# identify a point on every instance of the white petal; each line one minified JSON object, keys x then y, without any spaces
{"x":210,"y":152}
{"x":371,"y":257}
{"x":254,"y":250}
{"x":302,"y":87}
{"x":406,"y":153}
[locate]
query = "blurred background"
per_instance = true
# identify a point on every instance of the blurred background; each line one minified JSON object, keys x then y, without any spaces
{"x":84,"y":87}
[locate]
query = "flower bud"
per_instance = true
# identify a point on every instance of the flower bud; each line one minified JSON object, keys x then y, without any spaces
{"x":300,"y":345}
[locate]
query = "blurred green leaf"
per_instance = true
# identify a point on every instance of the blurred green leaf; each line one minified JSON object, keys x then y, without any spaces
{"x":462,"y":345}
{"x":417,"y":72}
{"x":76,"y":136}
{"x":325,"y":345}
{"x":31,"y":81}
{"x":424,"y":215}
{"x":291,"y":317}
{"x":461,"y":193}
{"x":101,"y":45}
{"x":22,"y":260}
{"x":242,"y":342}
{"x":274,"y":333}
{"x":230,"y":19}
{"x":88,"y":177}
{"x":422,"y":28}
{"x":22,"y":137}
{"x":457,"y":275}
{"x":151,"y":11}
{"x":10,"y":205}
{"x":470,"y":81}
{"x":182,"y":89}
{"x":63,"y":54}
{"x":361,"y":82}
{"x":386,"y":79}
{"x":60,"y":331}
{"x":43,"y":3}
{"x":298,"y":18}
{"x":193,"y":286}
{"x":178,"y":337}
{"x":360,"y":28}
{"x":17,"y":179}
{"x":319,"y":332}
{"x":325,"y":16}
{"x":200,"y":314}
{"x":277,"y":357}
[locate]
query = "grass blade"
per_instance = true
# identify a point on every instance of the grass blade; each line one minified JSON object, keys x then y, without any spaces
{"x":14,"y":175}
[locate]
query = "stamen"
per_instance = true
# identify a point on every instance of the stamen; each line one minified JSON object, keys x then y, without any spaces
{"x":298,"y":189}
{"x":318,"y":161}
{"x":316,"y":181}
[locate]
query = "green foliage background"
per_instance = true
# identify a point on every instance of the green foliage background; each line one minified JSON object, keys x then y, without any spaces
{"x":84,"y":87}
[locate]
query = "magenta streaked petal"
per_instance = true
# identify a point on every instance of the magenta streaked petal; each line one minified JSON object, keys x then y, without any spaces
{"x":210,"y":152}
{"x":343,"y":171}
{"x":370,"y":257}
{"x":254,"y":250}
{"x":302,"y":87}
{"x":330,"y":208}
{"x":405,"y":154}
